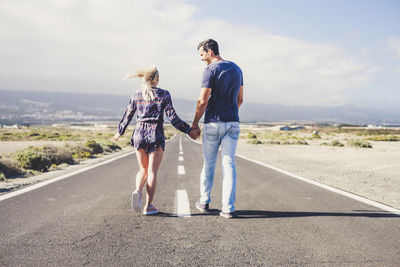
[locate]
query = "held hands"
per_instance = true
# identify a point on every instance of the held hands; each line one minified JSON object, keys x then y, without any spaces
{"x":194,"y":132}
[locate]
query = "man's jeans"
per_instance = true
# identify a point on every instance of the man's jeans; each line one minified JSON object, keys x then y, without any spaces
{"x":226,"y":135}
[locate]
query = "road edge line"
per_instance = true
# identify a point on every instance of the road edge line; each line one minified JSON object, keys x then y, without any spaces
{"x":61,"y":177}
{"x":328,"y":187}
{"x":324,"y":186}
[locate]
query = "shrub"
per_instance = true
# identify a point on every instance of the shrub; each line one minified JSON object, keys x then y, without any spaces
{"x":94,"y":146}
{"x":53,"y":136}
{"x":39,"y":134}
{"x":251,"y":135}
{"x":109,"y":146}
{"x":316,"y":136}
{"x":34,"y":134}
{"x":254,"y":142}
{"x":300,"y":142}
{"x":336,"y":143}
{"x":41,"y":158}
{"x":389,"y":138}
{"x":81,"y":152}
{"x":6,"y":136}
{"x":2,"y":177}
{"x":359,"y":143}
{"x":10,"y":167}
{"x":296,"y":142}
{"x":58,"y":155}
{"x":168,"y":135}
{"x":32,"y":159}
{"x":272,"y":142}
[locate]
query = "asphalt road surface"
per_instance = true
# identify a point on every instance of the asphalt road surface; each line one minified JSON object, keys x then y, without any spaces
{"x":86,"y":219}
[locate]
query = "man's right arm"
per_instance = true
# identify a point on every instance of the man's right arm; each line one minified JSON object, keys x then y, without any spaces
{"x":240,"y":97}
{"x":201,"y":106}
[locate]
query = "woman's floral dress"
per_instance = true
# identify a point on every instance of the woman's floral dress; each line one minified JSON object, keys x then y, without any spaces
{"x":149,"y":132}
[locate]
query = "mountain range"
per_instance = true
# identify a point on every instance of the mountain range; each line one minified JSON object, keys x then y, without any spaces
{"x":49,"y":107}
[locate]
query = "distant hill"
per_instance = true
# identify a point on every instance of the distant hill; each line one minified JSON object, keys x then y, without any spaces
{"x":48,"y":107}
{"x":342,"y":114}
{"x":90,"y":103}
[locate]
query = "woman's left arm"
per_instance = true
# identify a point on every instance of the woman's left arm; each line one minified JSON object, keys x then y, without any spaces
{"x":173,"y":117}
{"x":128,"y":115}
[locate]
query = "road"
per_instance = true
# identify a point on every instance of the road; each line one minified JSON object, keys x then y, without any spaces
{"x":86,"y":219}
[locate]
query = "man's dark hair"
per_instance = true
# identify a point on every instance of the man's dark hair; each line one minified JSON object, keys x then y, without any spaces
{"x":209,"y":44}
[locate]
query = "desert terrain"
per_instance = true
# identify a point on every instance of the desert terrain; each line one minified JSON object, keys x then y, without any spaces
{"x":349,"y":159}
{"x":371,"y":172}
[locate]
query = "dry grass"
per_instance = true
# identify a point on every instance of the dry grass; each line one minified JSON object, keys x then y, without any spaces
{"x":331,"y":136}
{"x":73,"y":145}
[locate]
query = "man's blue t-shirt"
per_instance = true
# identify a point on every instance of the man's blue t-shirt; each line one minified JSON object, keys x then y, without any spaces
{"x":224,"y":78}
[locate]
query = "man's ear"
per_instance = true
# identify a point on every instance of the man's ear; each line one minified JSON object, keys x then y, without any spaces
{"x":210,"y":52}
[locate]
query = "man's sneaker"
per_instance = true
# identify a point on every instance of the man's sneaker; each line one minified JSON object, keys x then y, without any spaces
{"x":202,"y":207}
{"x":228,"y":215}
{"x":137,"y":201}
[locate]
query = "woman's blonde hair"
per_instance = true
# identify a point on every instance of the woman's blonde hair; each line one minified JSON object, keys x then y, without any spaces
{"x":148,"y":75}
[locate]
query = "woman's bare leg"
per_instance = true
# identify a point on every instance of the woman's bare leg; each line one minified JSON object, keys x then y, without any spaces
{"x":155,"y":159}
{"x":141,"y":176}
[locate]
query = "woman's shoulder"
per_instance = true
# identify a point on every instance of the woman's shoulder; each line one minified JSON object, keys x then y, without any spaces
{"x":162,"y":92}
{"x":137,"y":93}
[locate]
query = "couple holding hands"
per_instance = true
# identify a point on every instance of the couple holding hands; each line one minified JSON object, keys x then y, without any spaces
{"x":220,"y":98}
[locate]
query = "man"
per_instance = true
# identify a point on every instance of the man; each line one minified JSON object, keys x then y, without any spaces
{"x":220,"y":98}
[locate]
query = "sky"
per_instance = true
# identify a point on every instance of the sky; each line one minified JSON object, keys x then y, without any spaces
{"x":311,"y":53}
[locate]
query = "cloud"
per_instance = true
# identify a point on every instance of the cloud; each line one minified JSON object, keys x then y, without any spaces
{"x":287,"y":70}
{"x":67,"y":45}
{"x":88,"y":46}
{"x":394,"y":44}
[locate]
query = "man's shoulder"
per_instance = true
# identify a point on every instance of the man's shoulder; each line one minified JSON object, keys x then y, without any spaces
{"x":232,"y":64}
{"x":210,"y":67}
{"x":224,"y":64}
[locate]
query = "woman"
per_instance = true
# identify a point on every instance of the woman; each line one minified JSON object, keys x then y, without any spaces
{"x":148,"y":138}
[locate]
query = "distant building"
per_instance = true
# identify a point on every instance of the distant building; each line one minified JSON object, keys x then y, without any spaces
{"x":286,"y":128}
{"x":291,"y":128}
{"x":374,"y":126}
{"x":14,"y":126}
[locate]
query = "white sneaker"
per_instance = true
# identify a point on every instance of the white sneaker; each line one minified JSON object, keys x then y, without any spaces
{"x":137,"y":201}
{"x":150,"y":210}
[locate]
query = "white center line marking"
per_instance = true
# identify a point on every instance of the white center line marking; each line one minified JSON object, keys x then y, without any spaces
{"x":180,"y":158}
{"x":180,"y":143}
{"x":180,"y":152}
{"x":182,"y":206}
{"x":181,"y":170}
